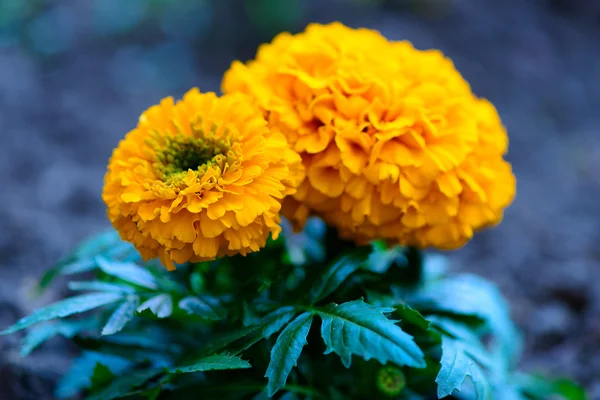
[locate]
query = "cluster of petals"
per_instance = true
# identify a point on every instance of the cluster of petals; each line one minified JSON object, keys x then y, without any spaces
{"x":395,"y":144}
{"x":200,"y":178}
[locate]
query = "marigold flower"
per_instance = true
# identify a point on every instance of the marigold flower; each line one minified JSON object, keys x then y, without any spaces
{"x":199,"y":179}
{"x":395,"y":144}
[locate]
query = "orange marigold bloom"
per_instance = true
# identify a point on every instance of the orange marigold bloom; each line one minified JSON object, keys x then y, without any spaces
{"x":395,"y":144}
{"x":199,"y":179}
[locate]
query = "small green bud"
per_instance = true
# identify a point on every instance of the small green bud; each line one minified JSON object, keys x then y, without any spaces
{"x":390,"y":381}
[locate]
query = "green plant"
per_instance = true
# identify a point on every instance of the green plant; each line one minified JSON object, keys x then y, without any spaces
{"x":296,"y":320}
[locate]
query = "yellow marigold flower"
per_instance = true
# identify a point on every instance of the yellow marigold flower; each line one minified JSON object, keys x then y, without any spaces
{"x":199,"y":179}
{"x":394,"y":143}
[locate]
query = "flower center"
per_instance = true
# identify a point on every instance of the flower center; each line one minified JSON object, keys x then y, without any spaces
{"x":181,"y":153}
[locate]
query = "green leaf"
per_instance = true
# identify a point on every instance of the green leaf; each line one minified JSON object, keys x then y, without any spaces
{"x":456,"y":366}
{"x":362,"y":329}
{"x":539,"y":388}
{"x":336,"y":274}
{"x":411,"y":316}
{"x":98,"y":244}
{"x":72,"y":305}
{"x":205,"y":306}
{"x":47,"y":331}
{"x":197,"y":282}
{"x":249,"y":315}
{"x":102,"y":375}
{"x":128,"y":272}
{"x":212,"y":362}
{"x":161,"y":305}
{"x":78,"y":267}
{"x":121,"y":316}
{"x":71,"y":267}
{"x":483,"y":388}
{"x":100,"y":286}
{"x":82,"y":258}
{"x":152,"y":394}
{"x":272,"y":323}
{"x":124,"y":384}
{"x":473,"y":296}
{"x":81,"y":251}
{"x":381,"y":258}
{"x":79,"y":375}
{"x":470,"y":340}
{"x":239,"y":340}
{"x":285,"y":353}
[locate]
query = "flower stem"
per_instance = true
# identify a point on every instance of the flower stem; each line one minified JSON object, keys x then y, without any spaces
{"x":414,"y":271}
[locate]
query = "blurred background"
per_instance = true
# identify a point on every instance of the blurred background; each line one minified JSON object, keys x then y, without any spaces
{"x":76,"y":74}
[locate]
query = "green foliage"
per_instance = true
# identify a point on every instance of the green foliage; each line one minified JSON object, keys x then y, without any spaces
{"x":129,"y":272}
{"x":44,"y":332}
{"x":457,"y":364}
{"x":121,"y":316}
{"x":203,"y":306}
{"x":336,"y":274}
{"x":160,"y":305}
{"x":70,"y":306}
{"x":359,"y":328}
{"x":286,"y":351}
{"x":245,"y":328}
{"x":213,"y":362}
{"x":123,"y":385}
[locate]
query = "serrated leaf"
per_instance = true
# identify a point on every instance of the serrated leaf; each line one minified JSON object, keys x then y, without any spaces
{"x":379,"y":299}
{"x":45,"y":332}
{"x":100,"y":286}
{"x":121,"y":316}
{"x":82,"y":258}
{"x":471,"y":295}
{"x":161,"y":305}
{"x":470,"y":340}
{"x":271,"y":324}
{"x":411,"y":316}
{"x":456,"y":365}
{"x":362,"y":329}
{"x":128,"y":272}
{"x":64,"y":308}
{"x":274,"y":321}
{"x":221,"y":340}
{"x":212,"y":362}
{"x":336,"y":274}
{"x":239,"y":340}
{"x":121,"y":386}
{"x":206,"y":307}
{"x":285,"y":352}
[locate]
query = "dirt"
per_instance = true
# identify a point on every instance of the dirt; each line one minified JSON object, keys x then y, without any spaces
{"x":74,"y":77}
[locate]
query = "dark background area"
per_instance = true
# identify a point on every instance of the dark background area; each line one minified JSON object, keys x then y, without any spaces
{"x":76,"y":74}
